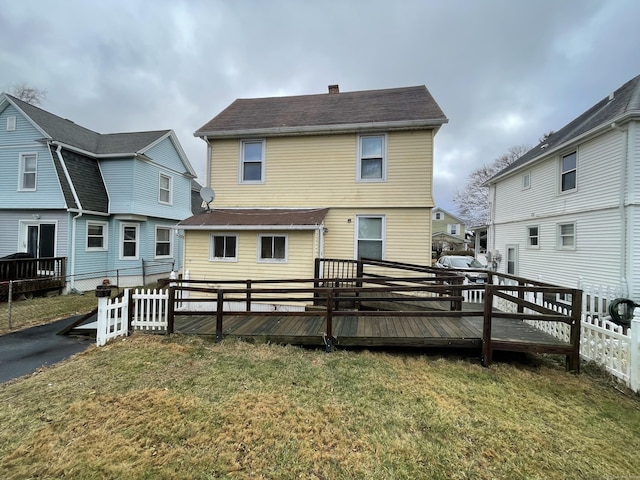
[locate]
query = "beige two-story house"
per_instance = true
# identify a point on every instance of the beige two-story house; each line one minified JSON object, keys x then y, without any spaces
{"x":335,"y":175}
{"x":448,"y":232}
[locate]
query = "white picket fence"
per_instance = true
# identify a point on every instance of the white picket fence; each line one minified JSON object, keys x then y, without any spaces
{"x":150,"y":313}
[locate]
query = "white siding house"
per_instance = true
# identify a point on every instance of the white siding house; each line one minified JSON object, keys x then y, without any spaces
{"x":567,"y":210}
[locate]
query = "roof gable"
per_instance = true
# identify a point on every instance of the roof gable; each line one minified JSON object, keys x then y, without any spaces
{"x":402,"y":106}
{"x":620,"y":105}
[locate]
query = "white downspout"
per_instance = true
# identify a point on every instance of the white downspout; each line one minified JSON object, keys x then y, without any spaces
{"x":72,"y":267}
{"x":621,"y":205}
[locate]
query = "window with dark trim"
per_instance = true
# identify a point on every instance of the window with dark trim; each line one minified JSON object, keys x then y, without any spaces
{"x":224,"y":248}
{"x":568,"y":170}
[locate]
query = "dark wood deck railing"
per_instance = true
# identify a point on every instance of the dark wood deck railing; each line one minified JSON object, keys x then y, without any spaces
{"x":358,"y":291}
{"x":31,"y":275}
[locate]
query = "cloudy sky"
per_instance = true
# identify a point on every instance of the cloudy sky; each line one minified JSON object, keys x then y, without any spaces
{"x":503,"y":71}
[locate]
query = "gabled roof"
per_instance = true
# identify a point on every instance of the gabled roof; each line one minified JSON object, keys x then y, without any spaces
{"x":618,"y":107}
{"x":408,"y":107}
{"x":438,"y":209}
{"x":256,"y":218}
{"x":85,"y":141}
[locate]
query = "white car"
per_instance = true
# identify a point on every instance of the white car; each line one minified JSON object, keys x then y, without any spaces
{"x":464,"y":262}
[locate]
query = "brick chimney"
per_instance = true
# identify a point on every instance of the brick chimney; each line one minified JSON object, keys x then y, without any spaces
{"x":334,"y":88}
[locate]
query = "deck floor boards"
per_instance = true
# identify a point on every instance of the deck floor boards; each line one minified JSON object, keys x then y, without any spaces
{"x":365,"y":330}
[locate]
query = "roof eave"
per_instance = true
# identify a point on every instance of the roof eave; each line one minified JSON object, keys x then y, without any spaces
{"x":248,"y":227}
{"x":323,"y":129}
{"x":620,"y":119}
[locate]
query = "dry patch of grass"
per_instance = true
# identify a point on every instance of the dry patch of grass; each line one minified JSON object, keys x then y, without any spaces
{"x":181,"y":407}
{"x":41,"y":310}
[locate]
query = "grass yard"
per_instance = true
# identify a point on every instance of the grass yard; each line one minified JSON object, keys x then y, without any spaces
{"x":153,"y":407}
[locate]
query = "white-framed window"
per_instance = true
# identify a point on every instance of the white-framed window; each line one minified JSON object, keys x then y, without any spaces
{"x":453,"y":229}
{"x":28,"y":171}
{"x":129,"y":241}
{"x":164,"y":245}
{"x":533,"y":236}
{"x":11,"y":123}
{"x":252,"y":161}
{"x":165,"y":189}
{"x":437,"y":216}
{"x":272,"y":248}
{"x":566,"y":236}
{"x":568,"y":172}
{"x":370,"y":236}
{"x":512,"y":259}
{"x":526,"y":181}
{"x":97,"y":236}
{"x":223,"y":247}
{"x":372,"y":158}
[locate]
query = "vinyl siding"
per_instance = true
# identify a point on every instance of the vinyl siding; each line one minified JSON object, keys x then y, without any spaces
{"x":311,"y":171}
{"x":119,"y":178}
{"x":10,"y":221}
{"x":165,"y":154}
{"x":594,"y":207}
{"x":300,"y":260}
{"x":48,"y":193}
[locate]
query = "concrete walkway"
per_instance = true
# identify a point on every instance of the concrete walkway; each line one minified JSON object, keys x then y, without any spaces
{"x":25,"y":351}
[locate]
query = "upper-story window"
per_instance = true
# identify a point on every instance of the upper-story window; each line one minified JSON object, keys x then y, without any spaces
{"x":372,"y":163}
{"x":11,"y":124}
{"x":437,"y":216}
{"x":454,"y":229}
{"x":96,"y":236}
{"x":568,"y":169}
{"x":28,"y":170}
{"x":526,"y":181}
{"x":252,"y":161}
{"x":165,"y":190}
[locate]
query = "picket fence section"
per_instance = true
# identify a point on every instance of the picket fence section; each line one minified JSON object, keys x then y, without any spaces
{"x":603,"y":342}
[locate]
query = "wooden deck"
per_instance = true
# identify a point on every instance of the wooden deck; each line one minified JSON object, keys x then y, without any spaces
{"x":363,"y":331}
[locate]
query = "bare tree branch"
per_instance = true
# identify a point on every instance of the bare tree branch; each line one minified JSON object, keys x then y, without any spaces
{"x":473,"y":200}
{"x":29,"y":94}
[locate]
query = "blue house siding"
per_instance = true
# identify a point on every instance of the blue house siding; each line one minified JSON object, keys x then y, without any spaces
{"x":109,"y":180}
{"x":48,"y":193}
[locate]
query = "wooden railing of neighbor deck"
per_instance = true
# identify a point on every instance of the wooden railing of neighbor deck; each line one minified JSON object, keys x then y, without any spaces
{"x":23,"y":276}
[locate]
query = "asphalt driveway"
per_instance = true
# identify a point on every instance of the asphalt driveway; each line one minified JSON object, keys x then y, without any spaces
{"x":25,"y":351}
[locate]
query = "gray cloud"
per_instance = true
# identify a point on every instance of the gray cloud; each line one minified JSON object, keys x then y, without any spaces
{"x":503,"y":71}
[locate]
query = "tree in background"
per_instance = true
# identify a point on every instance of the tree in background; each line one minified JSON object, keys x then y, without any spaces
{"x":29,"y":94}
{"x":473,"y":200}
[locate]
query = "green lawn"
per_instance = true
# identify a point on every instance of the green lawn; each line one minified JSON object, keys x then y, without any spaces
{"x":154,"y":407}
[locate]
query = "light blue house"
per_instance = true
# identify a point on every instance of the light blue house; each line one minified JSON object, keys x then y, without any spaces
{"x":109,"y":203}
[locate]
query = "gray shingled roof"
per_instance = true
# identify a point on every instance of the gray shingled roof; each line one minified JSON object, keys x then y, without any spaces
{"x":408,"y":105}
{"x":86,"y":178}
{"x":257,"y":217}
{"x":69,"y":133}
{"x":625,"y":101}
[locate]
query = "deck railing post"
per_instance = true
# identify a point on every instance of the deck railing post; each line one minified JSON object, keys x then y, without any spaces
{"x":219,"y":312}
{"x":171,"y":310}
{"x":329,"y":319}
{"x":486,"y":327}
{"x":248,"y":297}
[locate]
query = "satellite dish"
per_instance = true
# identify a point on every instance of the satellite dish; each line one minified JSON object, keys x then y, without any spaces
{"x":207,"y":195}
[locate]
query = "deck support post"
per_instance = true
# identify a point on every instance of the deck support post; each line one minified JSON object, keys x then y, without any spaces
{"x":329,"y":318}
{"x":248,"y":299}
{"x":573,"y":360}
{"x":219,"y":309}
{"x":486,"y":327}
